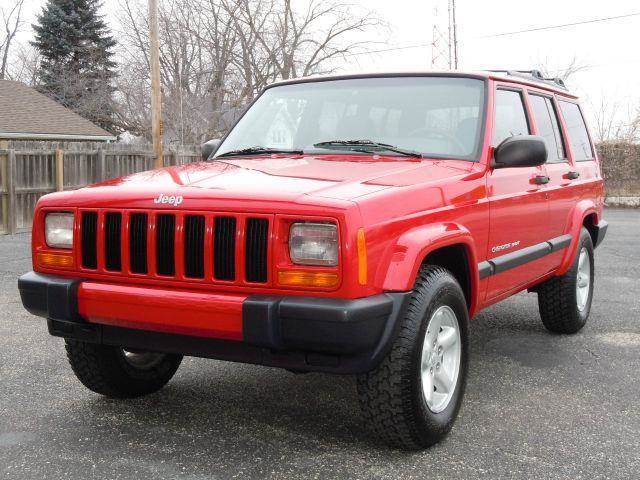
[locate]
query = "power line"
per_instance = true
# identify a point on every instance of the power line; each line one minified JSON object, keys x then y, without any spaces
{"x":563,"y":25}
{"x":533,"y":29}
{"x":391,"y":49}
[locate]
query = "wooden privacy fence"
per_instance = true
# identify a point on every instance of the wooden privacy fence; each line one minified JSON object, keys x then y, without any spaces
{"x":29,"y":170}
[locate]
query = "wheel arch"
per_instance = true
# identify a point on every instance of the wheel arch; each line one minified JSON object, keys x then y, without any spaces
{"x":448,"y":245}
{"x":585,"y":214}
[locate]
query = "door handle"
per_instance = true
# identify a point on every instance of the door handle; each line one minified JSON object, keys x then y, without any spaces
{"x":541,"y":179}
{"x":571,"y":175}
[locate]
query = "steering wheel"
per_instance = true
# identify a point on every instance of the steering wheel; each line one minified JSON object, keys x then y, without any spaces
{"x":425,"y":132}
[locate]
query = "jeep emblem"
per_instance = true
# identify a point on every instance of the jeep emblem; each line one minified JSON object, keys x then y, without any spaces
{"x":174,"y":200}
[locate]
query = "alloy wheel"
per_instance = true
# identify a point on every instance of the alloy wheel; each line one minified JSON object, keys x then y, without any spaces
{"x":441,"y":356}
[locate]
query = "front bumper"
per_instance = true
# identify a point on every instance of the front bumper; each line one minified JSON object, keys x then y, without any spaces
{"x":301,"y":333}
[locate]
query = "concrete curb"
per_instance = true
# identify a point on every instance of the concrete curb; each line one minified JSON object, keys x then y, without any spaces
{"x":633,"y":202}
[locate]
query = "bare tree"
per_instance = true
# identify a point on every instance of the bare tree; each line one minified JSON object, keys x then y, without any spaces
{"x":216,"y":55}
{"x":301,"y":42}
{"x":11,"y":17}
{"x":196,"y":53}
{"x":615,"y":121}
{"x":23,"y":63}
{"x":564,"y":71}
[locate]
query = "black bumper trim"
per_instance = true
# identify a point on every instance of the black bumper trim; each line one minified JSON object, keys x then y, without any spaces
{"x":49,"y":296}
{"x":601,"y":232}
{"x":328,"y":325}
{"x":302,"y":333}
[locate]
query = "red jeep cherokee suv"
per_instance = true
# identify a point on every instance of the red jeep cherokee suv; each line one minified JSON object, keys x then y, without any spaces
{"x":349,"y":224}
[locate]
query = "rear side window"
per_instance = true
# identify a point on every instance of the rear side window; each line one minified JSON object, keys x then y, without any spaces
{"x":510,"y":116}
{"x":546,"y":120}
{"x":577,"y":131}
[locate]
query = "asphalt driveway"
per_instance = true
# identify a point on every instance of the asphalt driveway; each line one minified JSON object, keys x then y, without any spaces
{"x":537,"y":405}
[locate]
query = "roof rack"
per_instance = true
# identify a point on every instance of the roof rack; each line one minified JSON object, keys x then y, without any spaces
{"x":533,"y":75}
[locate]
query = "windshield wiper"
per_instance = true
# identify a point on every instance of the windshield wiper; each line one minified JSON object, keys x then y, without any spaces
{"x":368,"y":143}
{"x":258,"y":151}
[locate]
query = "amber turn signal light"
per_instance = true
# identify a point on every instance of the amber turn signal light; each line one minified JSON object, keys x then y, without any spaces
{"x":297,"y":278}
{"x":362,"y":258}
{"x":54,"y":260}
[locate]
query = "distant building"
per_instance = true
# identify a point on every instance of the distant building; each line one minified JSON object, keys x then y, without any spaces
{"x":26,"y":114}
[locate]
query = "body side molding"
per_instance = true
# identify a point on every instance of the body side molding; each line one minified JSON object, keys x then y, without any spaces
{"x":520,"y":257}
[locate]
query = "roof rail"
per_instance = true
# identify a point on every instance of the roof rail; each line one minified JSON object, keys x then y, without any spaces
{"x":533,"y":75}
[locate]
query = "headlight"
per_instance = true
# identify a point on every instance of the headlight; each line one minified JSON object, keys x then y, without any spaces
{"x":314,"y":244}
{"x":58,"y":228}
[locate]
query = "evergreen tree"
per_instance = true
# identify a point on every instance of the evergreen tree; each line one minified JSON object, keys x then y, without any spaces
{"x":77,"y":67}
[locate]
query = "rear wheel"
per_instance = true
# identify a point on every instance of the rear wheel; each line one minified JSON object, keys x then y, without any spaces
{"x":412,"y":398}
{"x":565,"y":301}
{"x":120,"y":373}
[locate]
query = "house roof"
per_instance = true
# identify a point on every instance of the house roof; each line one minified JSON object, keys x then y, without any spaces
{"x":27,"y":114}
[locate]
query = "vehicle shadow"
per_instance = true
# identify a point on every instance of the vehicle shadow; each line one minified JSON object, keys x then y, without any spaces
{"x":216,"y":408}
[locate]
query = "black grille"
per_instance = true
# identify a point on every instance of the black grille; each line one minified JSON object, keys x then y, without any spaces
{"x":138,"y":243}
{"x":194,"y":247}
{"x":165,"y":245}
{"x":256,"y":249}
{"x":89,"y":237}
{"x":224,"y":248}
{"x":113,"y":241}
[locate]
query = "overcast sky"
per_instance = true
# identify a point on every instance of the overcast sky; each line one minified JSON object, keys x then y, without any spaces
{"x":607,"y":50}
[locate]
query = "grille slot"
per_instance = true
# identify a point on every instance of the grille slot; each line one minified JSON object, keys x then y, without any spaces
{"x":256,"y":250}
{"x":194,"y":247}
{"x":113,"y":241}
{"x":138,"y":242}
{"x":224,"y":249}
{"x":165,"y":245}
{"x":205,"y":245}
{"x":89,"y":240}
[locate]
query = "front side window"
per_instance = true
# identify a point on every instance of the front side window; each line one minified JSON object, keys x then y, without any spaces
{"x":546,"y":120}
{"x":577,"y":132}
{"x":439,"y":117}
{"x":510,"y":117}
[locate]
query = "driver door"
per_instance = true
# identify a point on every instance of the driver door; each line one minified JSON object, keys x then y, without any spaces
{"x":518,"y":207}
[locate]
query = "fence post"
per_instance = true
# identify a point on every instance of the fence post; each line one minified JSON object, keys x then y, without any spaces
{"x":102,"y":165}
{"x":11,"y":192}
{"x":59,"y":169}
{"x":174,"y":157}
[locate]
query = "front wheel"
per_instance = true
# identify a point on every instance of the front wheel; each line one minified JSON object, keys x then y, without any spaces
{"x":565,"y":302}
{"x":120,"y":373}
{"x":412,"y":398}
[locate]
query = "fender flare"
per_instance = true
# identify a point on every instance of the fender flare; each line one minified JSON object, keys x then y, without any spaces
{"x":581,"y":210}
{"x":414,"y":245}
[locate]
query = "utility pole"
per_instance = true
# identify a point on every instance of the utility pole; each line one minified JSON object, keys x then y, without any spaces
{"x":156,"y":93}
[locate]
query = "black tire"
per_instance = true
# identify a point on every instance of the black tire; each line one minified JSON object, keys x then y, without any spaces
{"x":558,"y":297}
{"x":391,"y":396}
{"x":106,"y":370}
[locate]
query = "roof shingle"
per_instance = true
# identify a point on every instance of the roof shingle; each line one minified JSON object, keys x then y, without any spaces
{"x":23,"y":110}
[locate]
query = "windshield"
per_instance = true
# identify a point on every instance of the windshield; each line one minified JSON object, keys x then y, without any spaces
{"x":436,"y":116}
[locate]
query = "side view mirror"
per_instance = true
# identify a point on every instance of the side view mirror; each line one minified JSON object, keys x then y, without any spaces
{"x":210,"y":147}
{"x":520,"y":151}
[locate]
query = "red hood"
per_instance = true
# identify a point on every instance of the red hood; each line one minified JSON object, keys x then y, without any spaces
{"x":306,"y":179}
